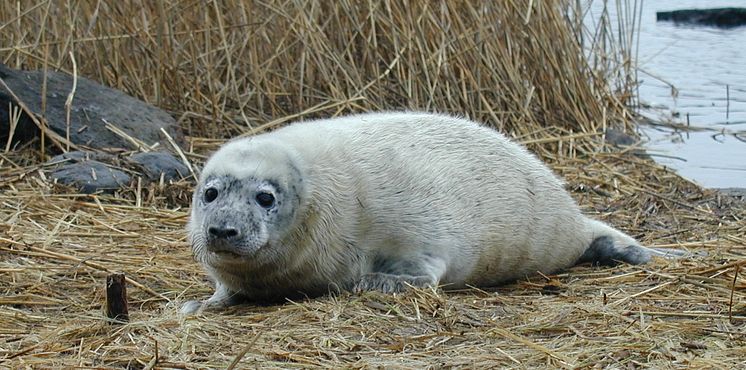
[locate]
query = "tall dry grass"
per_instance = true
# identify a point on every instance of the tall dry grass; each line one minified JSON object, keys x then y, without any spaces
{"x":227,"y":67}
{"x":231,"y":67}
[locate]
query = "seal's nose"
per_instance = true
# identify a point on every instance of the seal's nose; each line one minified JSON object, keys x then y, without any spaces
{"x":224,"y":232}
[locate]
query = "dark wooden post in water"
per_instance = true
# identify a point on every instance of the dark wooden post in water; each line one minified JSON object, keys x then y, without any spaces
{"x":718,"y":17}
{"x":116,"y":298}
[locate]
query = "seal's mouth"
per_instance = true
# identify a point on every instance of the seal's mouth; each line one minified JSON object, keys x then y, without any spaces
{"x":229,"y":252}
{"x":222,"y":249}
{"x":227,"y":258}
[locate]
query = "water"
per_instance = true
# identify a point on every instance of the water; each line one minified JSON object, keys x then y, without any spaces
{"x":695,"y":74}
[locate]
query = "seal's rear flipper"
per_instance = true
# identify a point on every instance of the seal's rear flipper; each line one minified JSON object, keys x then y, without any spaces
{"x":674,"y":253}
{"x":603,"y":251}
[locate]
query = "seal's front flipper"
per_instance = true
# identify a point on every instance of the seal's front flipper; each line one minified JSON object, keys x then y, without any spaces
{"x":222,"y":298}
{"x":392,"y":274}
{"x":389,"y":283}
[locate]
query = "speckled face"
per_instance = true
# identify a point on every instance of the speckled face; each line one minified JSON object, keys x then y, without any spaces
{"x":234,"y":219}
{"x":239,"y":216}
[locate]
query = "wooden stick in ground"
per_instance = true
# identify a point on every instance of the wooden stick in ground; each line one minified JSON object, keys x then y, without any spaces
{"x":116,"y":298}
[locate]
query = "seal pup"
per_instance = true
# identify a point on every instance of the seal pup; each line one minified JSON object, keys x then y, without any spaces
{"x":381,"y":201}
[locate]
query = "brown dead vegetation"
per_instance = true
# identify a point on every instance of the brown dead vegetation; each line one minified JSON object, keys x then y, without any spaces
{"x":234,"y":67}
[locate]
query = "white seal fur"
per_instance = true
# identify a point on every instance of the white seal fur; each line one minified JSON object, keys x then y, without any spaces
{"x":382,"y":200}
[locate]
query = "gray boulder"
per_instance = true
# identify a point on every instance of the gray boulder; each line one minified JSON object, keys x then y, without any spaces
{"x":91,"y":172}
{"x":619,"y":138}
{"x":734,"y":192}
{"x":90,"y":176}
{"x":622,"y":140}
{"x":154,"y":164}
{"x":79,"y":156}
{"x":92,"y":104}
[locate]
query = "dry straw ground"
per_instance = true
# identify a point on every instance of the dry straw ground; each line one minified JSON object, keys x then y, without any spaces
{"x":231,"y":67}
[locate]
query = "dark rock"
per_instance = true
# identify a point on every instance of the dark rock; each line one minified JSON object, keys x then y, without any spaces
{"x":92,"y":103}
{"x":81,"y":176}
{"x":734,"y":192}
{"x":718,"y":17}
{"x":154,"y":164}
{"x":619,"y":138}
{"x":75,"y":169}
{"x":79,"y":156}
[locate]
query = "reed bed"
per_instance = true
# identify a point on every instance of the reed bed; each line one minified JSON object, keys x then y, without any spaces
{"x":530,"y":69}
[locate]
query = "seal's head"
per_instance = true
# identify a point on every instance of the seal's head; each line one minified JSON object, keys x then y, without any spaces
{"x":248,"y":198}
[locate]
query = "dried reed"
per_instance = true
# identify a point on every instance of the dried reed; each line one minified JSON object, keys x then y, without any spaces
{"x":233,"y":67}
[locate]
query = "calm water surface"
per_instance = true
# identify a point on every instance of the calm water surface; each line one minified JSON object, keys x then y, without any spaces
{"x":699,"y":72}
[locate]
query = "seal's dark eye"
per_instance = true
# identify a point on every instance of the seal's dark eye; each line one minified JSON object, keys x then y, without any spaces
{"x":265,"y":200}
{"x":211,"y":194}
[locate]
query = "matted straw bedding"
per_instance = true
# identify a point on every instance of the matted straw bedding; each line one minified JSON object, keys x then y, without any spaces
{"x":527,"y":76}
{"x":56,"y":249}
